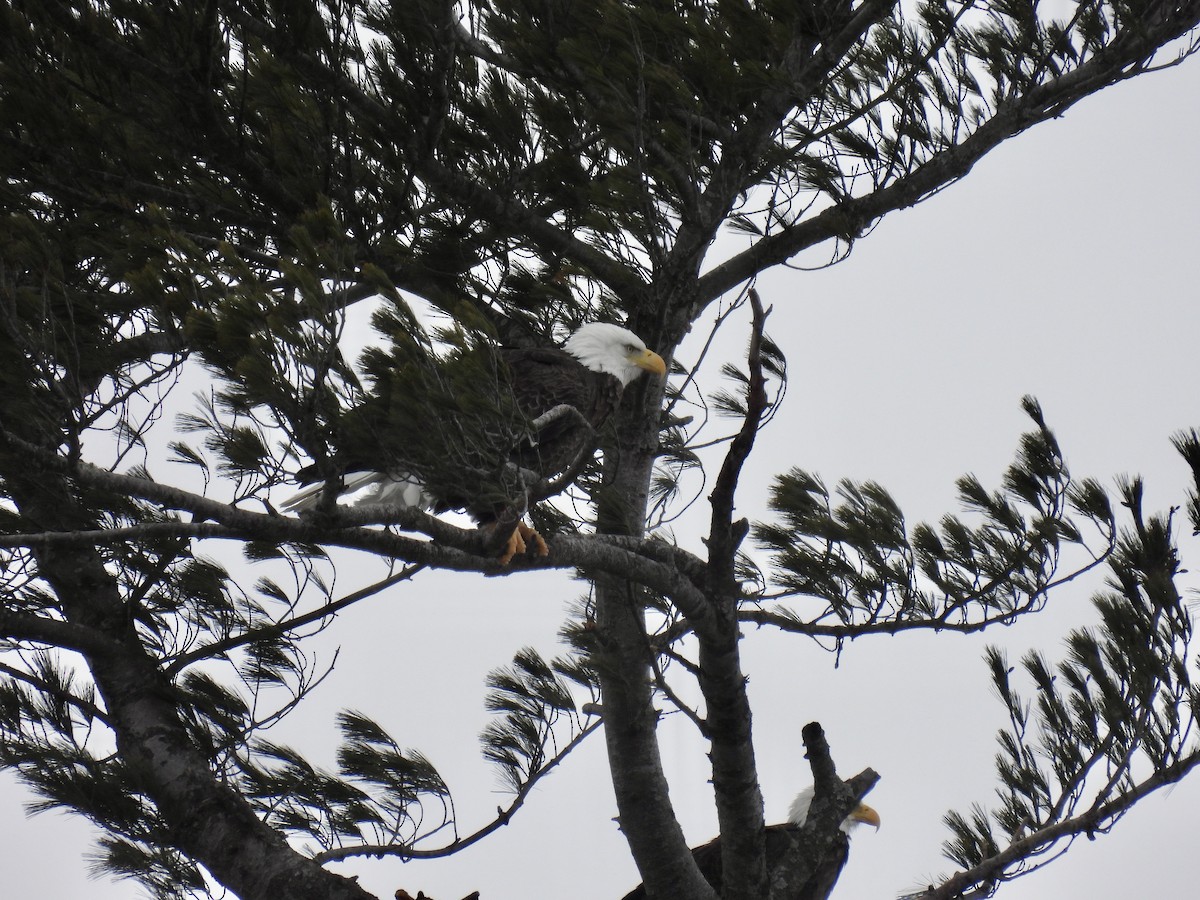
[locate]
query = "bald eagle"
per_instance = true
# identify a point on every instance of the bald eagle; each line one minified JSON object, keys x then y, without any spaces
{"x":486,"y":417}
{"x":824,"y":877}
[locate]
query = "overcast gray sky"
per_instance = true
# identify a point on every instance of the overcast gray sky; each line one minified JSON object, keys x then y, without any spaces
{"x":1063,"y":266}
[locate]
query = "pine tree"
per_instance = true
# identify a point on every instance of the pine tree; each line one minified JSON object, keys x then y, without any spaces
{"x":217,"y":189}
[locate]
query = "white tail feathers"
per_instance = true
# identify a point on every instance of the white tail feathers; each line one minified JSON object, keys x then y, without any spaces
{"x":376,"y":487}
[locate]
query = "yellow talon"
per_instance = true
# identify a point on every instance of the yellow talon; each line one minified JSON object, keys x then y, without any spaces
{"x":523,"y":538}
{"x":530,"y":537}
{"x":514,"y":547}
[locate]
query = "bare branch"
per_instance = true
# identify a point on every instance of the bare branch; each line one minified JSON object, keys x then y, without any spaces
{"x":724,"y":534}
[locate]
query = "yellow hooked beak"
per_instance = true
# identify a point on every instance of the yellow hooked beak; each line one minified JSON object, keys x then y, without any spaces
{"x":650,"y":361}
{"x":865,"y":815}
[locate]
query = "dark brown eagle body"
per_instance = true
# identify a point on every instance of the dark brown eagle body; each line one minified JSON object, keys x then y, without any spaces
{"x":550,"y":378}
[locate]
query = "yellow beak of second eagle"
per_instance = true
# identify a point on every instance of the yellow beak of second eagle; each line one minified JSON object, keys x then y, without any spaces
{"x":865,"y":815}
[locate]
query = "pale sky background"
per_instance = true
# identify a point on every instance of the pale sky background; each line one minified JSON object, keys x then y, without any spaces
{"x":1064,"y":266}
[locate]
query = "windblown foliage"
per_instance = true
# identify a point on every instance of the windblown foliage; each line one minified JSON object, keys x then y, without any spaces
{"x":210,"y":193}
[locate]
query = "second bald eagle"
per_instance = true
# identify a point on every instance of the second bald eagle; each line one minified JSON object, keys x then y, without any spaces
{"x":824,"y":876}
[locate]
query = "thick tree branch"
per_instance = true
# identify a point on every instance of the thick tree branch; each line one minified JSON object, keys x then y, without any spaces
{"x":19,"y":626}
{"x":735,"y":773}
{"x":658,"y":572}
{"x":646,"y":815}
{"x":622,"y":662}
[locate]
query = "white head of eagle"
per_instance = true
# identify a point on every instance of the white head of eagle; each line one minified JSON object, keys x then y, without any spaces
{"x":614,"y":351}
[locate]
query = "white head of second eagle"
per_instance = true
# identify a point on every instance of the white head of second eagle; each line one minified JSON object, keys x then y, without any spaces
{"x":860,"y":815}
{"x":601,"y":349}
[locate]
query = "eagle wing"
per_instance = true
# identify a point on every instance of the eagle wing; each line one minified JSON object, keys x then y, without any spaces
{"x":545,"y":378}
